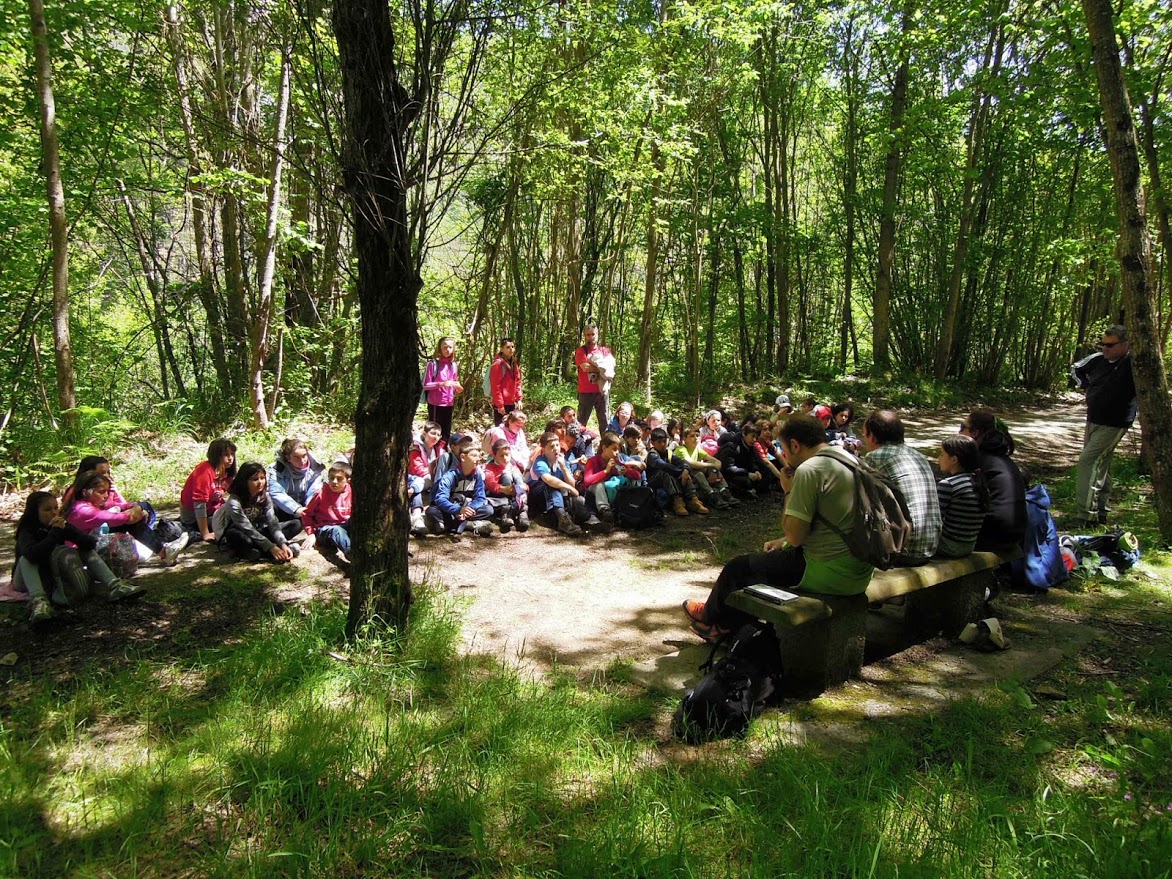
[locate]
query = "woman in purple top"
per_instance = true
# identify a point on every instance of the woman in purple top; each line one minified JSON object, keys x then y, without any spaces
{"x":441,"y":382}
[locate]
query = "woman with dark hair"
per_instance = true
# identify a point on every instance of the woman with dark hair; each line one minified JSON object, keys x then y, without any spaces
{"x":206,"y":487}
{"x":840,"y":432}
{"x":1005,"y":520}
{"x":246,"y":523}
{"x":963,"y":496}
{"x":90,"y":506}
{"x":50,"y":569}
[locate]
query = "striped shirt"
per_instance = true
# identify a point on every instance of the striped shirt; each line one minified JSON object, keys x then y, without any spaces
{"x":960,"y":507}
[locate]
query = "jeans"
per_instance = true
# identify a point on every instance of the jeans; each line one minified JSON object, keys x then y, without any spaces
{"x":599,"y":404}
{"x":334,"y":537}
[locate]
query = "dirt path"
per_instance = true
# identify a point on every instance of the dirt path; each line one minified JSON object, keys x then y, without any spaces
{"x":539,"y":600}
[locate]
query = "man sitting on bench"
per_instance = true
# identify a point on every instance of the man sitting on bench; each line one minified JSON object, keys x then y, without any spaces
{"x":810,"y":557}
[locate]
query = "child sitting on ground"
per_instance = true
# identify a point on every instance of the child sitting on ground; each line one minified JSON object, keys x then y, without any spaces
{"x":632,"y":443}
{"x":672,"y":477}
{"x":740,"y":462}
{"x":247,"y":524}
{"x":53,"y":572}
{"x":622,"y":417}
{"x":89,"y":508}
{"x":606,"y":473}
{"x":458,"y":502}
{"x":327,"y":515}
{"x":552,"y":489}
{"x":705,"y":471}
{"x":505,"y":486}
{"x":421,"y":462}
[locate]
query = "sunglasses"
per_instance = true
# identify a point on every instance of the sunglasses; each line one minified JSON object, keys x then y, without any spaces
{"x":1106,"y":345}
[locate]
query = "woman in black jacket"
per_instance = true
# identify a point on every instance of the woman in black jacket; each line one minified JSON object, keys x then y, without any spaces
{"x":1006,"y":520}
{"x":58,"y":564}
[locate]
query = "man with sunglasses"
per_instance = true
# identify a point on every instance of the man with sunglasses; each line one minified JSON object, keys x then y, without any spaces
{"x":1111,"y":405}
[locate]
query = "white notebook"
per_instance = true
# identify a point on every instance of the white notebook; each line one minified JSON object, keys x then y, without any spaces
{"x":770,"y":593}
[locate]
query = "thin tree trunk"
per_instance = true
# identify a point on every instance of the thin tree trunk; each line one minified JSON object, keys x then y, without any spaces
{"x":1135,"y":255}
{"x":262,"y":317}
{"x":881,"y":345}
{"x":58,"y":227}
{"x":647,"y":326}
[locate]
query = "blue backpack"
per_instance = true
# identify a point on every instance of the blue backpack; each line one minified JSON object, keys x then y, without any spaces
{"x":1042,"y":566}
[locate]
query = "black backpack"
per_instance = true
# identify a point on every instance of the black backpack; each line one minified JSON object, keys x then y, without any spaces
{"x":635,"y":507}
{"x":883,"y":522}
{"x":735,"y":689}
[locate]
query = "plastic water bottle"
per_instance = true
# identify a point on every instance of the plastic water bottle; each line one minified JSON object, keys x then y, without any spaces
{"x":104,"y":528}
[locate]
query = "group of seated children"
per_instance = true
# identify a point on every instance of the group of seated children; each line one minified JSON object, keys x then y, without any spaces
{"x":68,"y":551}
{"x":573,"y":476}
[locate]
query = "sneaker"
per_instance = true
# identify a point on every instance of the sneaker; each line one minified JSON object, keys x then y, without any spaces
{"x":295,"y":548}
{"x":711,"y":634}
{"x":418,"y":525}
{"x":695,"y":505}
{"x":120,"y":590}
{"x":40,"y":611}
{"x":506,"y":524}
{"x":171,"y":550}
{"x":720,"y":503}
{"x":481,"y":529}
{"x":523,"y":522}
{"x":606,"y":514}
{"x":677,"y":506}
{"x":732,"y":501}
{"x":695,"y":611}
{"x":594,"y":523}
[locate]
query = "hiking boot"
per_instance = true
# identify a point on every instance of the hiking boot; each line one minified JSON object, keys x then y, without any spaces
{"x":40,"y":611}
{"x":729,"y":499}
{"x":120,"y":590}
{"x":171,"y":550}
{"x":566,"y":524}
{"x":606,"y":514}
{"x":718,"y":502}
{"x":695,"y":610}
{"x":523,"y":522}
{"x":696,"y":506}
{"x":481,"y":529}
{"x":418,"y":525}
{"x":677,"y":506}
{"x":506,"y":524}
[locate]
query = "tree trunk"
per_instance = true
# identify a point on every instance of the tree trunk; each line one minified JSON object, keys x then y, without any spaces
{"x":1135,"y":256}
{"x":883,"y":279}
{"x":647,"y":326}
{"x":58,"y":227}
{"x":262,"y":316}
{"x":378,"y":112}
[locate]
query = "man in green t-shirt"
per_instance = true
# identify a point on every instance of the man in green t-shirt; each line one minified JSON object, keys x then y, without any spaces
{"x":810,"y":557}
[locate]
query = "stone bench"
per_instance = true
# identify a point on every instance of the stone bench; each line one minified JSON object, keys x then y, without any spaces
{"x":822,"y":637}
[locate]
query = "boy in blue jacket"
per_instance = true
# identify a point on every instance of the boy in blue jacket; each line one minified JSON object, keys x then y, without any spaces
{"x":458,"y":501}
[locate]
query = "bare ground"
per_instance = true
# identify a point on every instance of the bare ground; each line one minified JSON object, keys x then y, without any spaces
{"x":539,"y":600}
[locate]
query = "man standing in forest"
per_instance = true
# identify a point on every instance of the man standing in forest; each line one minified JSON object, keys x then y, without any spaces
{"x":595,"y":370}
{"x":504,"y":381}
{"x":1111,"y":405}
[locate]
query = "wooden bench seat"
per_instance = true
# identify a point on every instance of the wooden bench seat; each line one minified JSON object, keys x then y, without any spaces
{"x":822,"y":637}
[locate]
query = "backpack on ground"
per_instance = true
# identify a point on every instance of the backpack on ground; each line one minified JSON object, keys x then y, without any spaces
{"x":735,"y":689}
{"x":1117,"y":549}
{"x":883,"y":522}
{"x":635,"y":507}
{"x":1041,"y":566}
{"x":119,"y":553}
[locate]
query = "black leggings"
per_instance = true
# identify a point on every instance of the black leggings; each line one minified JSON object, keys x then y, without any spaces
{"x":242,"y":542}
{"x":441,"y":415}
